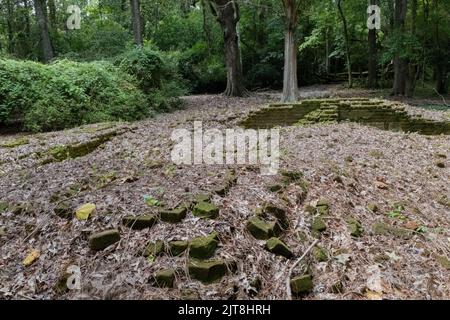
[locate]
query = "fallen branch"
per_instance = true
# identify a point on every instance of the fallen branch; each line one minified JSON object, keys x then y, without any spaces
{"x":442,"y":97}
{"x":288,"y":280}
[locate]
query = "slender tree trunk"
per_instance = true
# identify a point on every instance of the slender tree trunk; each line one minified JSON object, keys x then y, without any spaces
{"x":290,"y":78}
{"x":400,"y":66}
{"x":136,"y":20}
{"x":327,"y":51}
{"x":47,"y":48}
{"x":228,"y":15}
{"x":442,"y":47}
{"x":206,"y":26}
{"x":373,"y":55}
{"x":411,"y":75}
{"x":347,"y":43}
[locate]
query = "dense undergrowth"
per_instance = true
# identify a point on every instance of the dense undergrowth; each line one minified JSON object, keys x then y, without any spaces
{"x":64,"y":94}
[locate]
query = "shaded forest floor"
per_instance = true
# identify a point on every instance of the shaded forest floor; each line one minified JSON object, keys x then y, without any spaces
{"x":395,"y":184}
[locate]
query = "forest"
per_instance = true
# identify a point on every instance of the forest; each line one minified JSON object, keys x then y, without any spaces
{"x":125,"y":127}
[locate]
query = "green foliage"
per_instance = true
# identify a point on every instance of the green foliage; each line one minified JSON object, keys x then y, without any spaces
{"x":96,"y":40}
{"x":144,"y":64}
{"x":204,"y":71}
{"x":157,"y":76}
{"x":66,"y":94}
{"x":397,"y":213}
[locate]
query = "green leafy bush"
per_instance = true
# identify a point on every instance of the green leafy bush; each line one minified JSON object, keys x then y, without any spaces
{"x":96,"y":40}
{"x":205,"y":72}
{"x":157,"y":76}
{"x":66,"y":94}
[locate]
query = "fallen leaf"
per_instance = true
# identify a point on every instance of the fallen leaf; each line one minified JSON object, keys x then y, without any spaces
{"x":372,"y":295}
{"x":373,"y":281}
{"x":393,"y":256}
{"x":343,"y":258}
{"x":381,"y":185}
{"x":85,"y":211}
{"x":31,"y":257}
{"x":411,"y":225}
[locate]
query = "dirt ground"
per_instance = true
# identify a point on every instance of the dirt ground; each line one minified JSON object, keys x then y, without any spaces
{"x":353,"y":167}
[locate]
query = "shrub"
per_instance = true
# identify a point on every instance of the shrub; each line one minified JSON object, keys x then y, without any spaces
{"x":157,"y":76}
{"x":206,"y":72}
{"x":66,"y":94}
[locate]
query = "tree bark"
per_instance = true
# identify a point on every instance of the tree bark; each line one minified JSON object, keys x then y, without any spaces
{"x":411,"y":75}
{"x":347,"y":43}
{"x":290,"y":78}
{"x":373,"y":56}
{"x":47,"y":48}
{"x":228,"y":15}
{"x":206,"y":27}
{"x":442,"y":47}
{"x":327,"y":52}
{"x":136,"y":20}
{"x":400,"y":66}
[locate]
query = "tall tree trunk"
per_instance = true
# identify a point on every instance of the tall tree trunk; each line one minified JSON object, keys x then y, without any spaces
{"x":400,"y":66}
{"x":228,"y":15}
{"x":136,"y":20}
{"x":327,"y":51}
{"x":442,"y":47}
{"x":290,"y":79}
{"x":347,"y":43}
{"x":373,"y":54}
{"x":411,"y":75}
{"x":206,"y":26}
{"x":47,"y":48}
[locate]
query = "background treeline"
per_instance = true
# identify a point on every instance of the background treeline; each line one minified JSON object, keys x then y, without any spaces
{"x":165,"y":48}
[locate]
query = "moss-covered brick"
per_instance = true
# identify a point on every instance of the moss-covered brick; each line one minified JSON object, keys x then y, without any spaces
{"x":278,"y":247}
{"x":320,"y":254}
{"x":175,"y":215}
{"x":372,"y":207}
{"x":3,"y":206}
{"x":261,"y":229}
{"x":275,"y":188}
{"x":207,"y":271}
{"x":15,"y":143}
{"x":204,"y":247}
{"x":318,"y":225}
{"x":323,"y":206}
{"x":202,"y":197}
{"x":355,"y":227}
{"x":165,"y":278}
{"x":154,"y":249}
{"x":388,"y":230}
{"x":206,"y":210}
{"x":102,"y":240}
{"x":139,"y":222}
{"x":291,"y":176}
{"x":302,"y":285}
{"x":176,"y":247}
{"x":443,"y":261}
{"x":278,"y":213}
